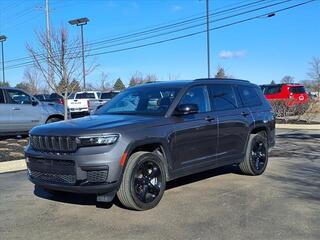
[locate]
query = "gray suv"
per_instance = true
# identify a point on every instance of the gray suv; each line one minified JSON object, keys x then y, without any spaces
{"x":19,"y":112}
{"x":151,"y":134}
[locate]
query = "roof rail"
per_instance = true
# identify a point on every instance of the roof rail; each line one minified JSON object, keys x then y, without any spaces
{"x":230,"y":79}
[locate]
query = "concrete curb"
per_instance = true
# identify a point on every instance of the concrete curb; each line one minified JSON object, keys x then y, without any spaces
{"x":13,"y":166}
{"x":298,"y":126}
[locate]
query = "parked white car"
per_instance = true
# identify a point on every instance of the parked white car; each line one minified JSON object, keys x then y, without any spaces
{"x":20,"y":111}
{"x":81,"y":102}
{"x":105,"y":97}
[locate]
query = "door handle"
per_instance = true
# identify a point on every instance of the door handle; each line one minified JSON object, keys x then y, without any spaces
{"x":15,"y":108}
{"x":209,"y":119}
{"x":245,"y":114}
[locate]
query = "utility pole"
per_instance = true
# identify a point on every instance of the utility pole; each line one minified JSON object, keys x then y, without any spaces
{"x":208,"y":38}
{"x":48,"y":31}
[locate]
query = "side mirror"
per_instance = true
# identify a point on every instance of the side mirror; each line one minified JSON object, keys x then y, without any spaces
{"x":186,"y":109}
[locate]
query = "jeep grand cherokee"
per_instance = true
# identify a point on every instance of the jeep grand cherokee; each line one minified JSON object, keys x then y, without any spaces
{"x":151,"y":134}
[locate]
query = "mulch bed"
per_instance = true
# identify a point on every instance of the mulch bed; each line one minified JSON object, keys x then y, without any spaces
{"x":12,"y":149}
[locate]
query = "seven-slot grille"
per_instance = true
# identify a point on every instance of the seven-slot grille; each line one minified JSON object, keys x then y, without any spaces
{"x":49,"y":170}
{"x":53,"y":143}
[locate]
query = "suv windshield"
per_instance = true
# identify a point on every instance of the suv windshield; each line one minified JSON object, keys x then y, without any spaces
{"x":148,"y":101}
{"x":297,"y":89}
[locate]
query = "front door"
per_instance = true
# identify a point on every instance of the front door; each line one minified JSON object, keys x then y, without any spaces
{"x":195,"y":134}
{"x":24,"y":114}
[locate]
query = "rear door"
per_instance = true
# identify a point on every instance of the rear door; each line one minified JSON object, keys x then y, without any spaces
{"x":24,"y":114}
{"x":252,"y":101}
{"x":233,"y":121}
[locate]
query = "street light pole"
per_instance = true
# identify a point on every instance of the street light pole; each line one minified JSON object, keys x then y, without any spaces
{"x":80,"y":22}
{"x":208,"y":37}
{"x":83,"y":65}
{"x":2,"y":39}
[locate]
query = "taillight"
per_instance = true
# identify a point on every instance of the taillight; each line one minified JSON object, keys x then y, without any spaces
{"x":61,"y":101}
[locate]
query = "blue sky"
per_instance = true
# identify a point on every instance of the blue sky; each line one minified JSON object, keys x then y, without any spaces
{"x":260,"y":50}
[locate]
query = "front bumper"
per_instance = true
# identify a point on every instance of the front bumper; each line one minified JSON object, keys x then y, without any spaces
{"x":110,"y":188}
{"x":95,"y":173}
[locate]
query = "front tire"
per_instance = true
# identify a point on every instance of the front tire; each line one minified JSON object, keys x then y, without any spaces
{"x":143,"y":182}
{"x":256,"y":158}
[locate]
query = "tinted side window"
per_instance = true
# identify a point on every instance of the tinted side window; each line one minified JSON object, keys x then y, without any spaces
{"x":271,"y":89}
{"x":39,"y":97}
{"x":249,"y":96}
{"x":199,"y":96}
{"x":18,"y":97}
{"x":1,"y":96}
{"x":222,"y":97}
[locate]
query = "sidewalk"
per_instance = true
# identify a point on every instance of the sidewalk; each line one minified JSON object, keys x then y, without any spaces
{"x":12,"y":166}
{"x":298,"y":126}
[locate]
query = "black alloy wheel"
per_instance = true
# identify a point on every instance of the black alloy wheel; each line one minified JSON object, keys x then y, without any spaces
{"x":147,"y":181}
{"x":258,"y":155}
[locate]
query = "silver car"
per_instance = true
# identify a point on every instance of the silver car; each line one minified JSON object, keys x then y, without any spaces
{"x":19,"y":112}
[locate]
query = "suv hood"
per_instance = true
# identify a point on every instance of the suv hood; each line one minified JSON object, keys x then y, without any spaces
{"x":94,"y":124}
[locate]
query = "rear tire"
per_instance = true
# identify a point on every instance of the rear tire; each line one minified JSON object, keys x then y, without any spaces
{"x":256,"y":158}
{"x":143,"y":182}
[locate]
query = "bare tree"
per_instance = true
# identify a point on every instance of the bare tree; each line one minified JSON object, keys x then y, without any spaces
{"x":150,"y":78}
{"x":173,"y":77}
{"x":314,"y":73}
{"x":136,"y":79}
{"x":32,"y":79}
{"x":104,"y":83}
{"x":287,"y":79}
{"x":64,"y":57}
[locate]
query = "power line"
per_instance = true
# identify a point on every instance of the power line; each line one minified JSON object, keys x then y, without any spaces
{"x":179,"y":37}
{"x":157,"y":29}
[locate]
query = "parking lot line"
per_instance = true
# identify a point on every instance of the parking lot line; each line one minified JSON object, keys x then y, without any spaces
{"x":12,"y":166}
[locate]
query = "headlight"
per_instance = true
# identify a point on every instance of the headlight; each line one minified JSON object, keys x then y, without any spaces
{"x":88,"y":141}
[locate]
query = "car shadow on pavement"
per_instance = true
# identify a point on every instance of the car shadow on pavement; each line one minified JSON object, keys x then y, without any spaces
{"x":299,"y":156}
{"x":301,"y":181}
{"x":90,"y":199}
{"x":201,"y":176}
{"x":299,"y":136}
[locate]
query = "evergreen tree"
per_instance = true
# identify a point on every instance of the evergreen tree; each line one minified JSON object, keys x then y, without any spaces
{"x":119,"y":86}
{"x":221,"y":73}
{"x":4,"y":84}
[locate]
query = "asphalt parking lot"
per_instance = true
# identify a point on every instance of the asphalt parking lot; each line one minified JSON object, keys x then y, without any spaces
{"x":284,"y":203}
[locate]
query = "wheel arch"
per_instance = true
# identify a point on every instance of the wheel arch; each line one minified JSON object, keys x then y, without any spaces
{"x":55,"y":116}
{"x":156,"y":146}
